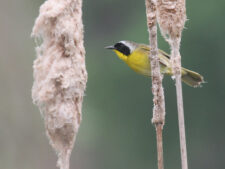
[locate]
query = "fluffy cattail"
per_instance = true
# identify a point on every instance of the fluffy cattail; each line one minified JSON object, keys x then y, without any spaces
{"x":59,"y":73}
{"x":171,"y":17}
{"x":157,"y":88}
{"x":158,"y":118}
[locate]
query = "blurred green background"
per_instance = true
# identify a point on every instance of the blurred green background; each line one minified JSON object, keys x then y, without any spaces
{"x":116,"y":131}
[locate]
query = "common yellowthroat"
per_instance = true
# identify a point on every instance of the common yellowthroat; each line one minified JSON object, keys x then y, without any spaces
{"x":136,"y":57}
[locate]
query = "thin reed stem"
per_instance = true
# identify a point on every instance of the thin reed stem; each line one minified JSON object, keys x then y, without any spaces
{"x":159,"y":130}
{"x":171,"y":16}
{"x":176,"y":65}
{"x":157,"y":89}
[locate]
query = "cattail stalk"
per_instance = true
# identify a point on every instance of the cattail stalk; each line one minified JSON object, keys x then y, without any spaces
{"x":176,"y":57}
{"x":59,"y":73}
{"x":157,"y":89}
{"x":171,"y":17}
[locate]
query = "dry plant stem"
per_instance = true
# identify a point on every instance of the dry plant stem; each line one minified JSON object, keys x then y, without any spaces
{"x":176,"y":62}
{"x":159,"y":130}
{"x":157,"y":89}
{"x":171,"y":15}
{"x":59,"y":73}
{"x":183,"y":147}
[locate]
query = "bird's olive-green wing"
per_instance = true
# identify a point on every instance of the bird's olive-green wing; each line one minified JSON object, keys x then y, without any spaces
{"x":164,"y":57}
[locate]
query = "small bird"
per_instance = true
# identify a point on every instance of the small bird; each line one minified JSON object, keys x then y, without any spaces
{"x":136,"y":57}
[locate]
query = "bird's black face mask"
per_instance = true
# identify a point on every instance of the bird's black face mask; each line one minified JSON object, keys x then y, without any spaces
{"x":122,"y":48}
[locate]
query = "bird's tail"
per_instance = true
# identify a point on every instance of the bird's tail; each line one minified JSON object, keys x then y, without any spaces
{"x":191,"y":78}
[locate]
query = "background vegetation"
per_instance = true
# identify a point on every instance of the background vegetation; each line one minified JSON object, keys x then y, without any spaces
{"x":116,"y":131}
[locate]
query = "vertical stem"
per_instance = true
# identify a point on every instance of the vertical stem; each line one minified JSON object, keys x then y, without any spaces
{"x":183,"y":147}
{"x":176,"y":65}
{"x":171,"y":16}
{"x":159,"y":129}
{"x":157,"y":89}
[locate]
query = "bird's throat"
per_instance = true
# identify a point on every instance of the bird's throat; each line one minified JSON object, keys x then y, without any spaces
{"x":121,"y":55}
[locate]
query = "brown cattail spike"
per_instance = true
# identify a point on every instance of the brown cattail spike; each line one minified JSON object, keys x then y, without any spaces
{"x":171,"y":15}
{"x":59,"y":73}
{"x":158,"y":118}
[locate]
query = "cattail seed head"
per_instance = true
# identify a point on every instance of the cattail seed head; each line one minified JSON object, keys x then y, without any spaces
{"x":171,"y":16}
{"x":59,"y":73}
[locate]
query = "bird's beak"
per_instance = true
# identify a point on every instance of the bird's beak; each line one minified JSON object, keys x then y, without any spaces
{"x":109,"y":47}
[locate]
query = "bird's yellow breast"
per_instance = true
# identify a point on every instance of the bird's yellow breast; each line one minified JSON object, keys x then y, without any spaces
{"x":139,"y":62}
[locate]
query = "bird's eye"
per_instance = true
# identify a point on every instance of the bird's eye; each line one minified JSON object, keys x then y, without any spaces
{"x":122,"y":48}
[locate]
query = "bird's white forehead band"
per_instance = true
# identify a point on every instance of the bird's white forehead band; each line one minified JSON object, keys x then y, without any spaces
{"x":128,"y":44}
